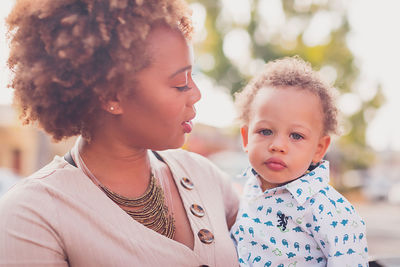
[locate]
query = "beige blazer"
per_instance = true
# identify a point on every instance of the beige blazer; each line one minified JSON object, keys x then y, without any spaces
{"x":59,"y":217}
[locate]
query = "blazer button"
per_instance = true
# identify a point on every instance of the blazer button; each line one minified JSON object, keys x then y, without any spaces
{"x":197,"y":210}
{"x":205,"y":236}
{"x":187,"y":183}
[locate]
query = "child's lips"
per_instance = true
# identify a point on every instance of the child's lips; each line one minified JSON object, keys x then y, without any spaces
{"x":275,"y":164}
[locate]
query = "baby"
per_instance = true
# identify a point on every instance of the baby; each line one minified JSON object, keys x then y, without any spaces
{"x":289,"y":214}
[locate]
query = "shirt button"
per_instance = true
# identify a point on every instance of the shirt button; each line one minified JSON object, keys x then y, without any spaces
{"x":197,"y":210}
{"x":205,"y":236}
{"x":187,"y":183}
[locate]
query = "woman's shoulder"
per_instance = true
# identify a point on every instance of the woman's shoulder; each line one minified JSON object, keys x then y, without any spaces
{"x":186,"y":157}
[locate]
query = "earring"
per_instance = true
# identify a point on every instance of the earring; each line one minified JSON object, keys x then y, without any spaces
{"x":112,"y":108}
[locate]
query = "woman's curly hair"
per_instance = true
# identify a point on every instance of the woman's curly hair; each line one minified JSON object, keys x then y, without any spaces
{"x":67,"y":55}
{"x":289,"y":72}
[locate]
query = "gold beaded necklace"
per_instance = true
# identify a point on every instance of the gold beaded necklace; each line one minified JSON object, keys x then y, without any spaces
{"x":151,"y":209}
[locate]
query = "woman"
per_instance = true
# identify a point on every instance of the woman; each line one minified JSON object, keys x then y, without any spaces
{"x":117,"y":73}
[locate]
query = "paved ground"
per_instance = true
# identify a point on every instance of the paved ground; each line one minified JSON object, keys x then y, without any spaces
{"x":383,"y":228}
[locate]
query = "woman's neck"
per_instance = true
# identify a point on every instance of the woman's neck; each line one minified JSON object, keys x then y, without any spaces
{"x":120,"y":168}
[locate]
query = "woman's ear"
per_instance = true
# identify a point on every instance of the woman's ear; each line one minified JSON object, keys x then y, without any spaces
{"x":112,"y":105}
{"x":322,"y":147}
{"x":244,"y":131}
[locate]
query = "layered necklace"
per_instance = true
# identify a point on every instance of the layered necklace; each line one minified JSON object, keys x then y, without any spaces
{"x":150,"y":208}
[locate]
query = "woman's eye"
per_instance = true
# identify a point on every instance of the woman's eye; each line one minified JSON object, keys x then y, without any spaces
{"x":183,"y":88}
{"x":296,"y":136}
{"x":266,"y":132}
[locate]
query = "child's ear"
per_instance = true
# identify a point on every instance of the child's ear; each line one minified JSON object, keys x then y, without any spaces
{"x":323,"y":145}
{"x":244,"y":131}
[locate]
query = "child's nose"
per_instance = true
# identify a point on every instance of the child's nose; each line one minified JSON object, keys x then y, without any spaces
{"x":278,"y":145}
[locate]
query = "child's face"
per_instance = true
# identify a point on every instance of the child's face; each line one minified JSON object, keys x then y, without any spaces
{"x":284,"y":134}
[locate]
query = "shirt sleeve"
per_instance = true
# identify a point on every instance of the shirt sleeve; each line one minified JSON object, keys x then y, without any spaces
{"x":340,"y":234}
{"x":27,"y":238}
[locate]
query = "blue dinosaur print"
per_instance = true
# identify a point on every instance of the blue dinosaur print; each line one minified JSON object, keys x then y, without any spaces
{"x":344,"y":222}
{"x":281,"y":265}
{"x":321,"y":208}
{"x":350,"y":251}
{"x":269,"y":210}
{"x":269,"y":223}
{"x":312,"y":173}
{"x":299,"y":192}
{"x":311,"y":204}
{"x":308,"y":258}
{"x":251,"y":231}
{"x":322,"y":166}
{"x":361,"y":236}
{"x":298,"y":229}
{"x":345,"y":238}
{"x":290,"y":255}
{"x":257,"y":259}
{"x":257,"y":220}
{"x":338,"y":253}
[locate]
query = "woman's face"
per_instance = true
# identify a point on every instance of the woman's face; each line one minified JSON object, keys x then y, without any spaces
{"x":158,"y":112}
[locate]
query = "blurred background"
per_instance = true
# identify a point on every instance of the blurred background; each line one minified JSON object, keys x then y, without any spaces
{"x":352,"y":43}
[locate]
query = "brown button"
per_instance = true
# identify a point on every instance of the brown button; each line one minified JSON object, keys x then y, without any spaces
{"x":187,"y":183}
{"x":197,"y":210}
{"x":205,"y":236}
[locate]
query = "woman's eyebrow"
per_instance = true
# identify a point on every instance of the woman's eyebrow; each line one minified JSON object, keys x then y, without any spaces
{"x":181,"y":70}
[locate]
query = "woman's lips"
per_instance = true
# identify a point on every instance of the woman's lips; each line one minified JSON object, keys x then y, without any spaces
{"x":275,"y":164}
{"x":187,"y":126}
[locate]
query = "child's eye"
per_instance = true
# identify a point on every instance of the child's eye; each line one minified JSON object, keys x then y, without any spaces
{"x":183,"y":88}
{"x":296,"y":136}
{"x":266,"y":132}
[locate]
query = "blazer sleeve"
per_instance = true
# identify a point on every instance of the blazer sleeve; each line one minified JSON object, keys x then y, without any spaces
{"x":27,"y":236}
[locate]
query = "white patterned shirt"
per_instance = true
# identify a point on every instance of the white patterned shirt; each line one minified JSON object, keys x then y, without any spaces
{"x":303,"y":223}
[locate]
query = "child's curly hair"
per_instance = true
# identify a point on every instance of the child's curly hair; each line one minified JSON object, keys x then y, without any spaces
{"x":293,"y":72}
{"x":67,"y":55}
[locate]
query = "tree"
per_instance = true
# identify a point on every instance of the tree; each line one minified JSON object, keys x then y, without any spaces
{"x":241,"y":35}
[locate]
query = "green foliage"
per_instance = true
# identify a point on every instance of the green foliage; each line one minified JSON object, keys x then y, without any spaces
{"x":352,"y":147}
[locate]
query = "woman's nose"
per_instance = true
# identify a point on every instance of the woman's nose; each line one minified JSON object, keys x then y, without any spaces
{"x":195,"y":94}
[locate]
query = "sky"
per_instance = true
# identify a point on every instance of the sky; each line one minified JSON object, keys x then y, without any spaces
{"x":373,"y":40}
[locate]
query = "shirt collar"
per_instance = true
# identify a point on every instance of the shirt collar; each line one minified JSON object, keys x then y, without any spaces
{"x":310,"y":183}
{"x":301,"y":189}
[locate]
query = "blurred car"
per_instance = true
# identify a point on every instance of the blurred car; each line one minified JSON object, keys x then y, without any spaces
{"x":7,"y":179}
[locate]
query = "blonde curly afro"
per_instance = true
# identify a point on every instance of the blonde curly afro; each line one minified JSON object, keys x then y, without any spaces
{"x":68,"y":55}
{"x":289,"y":72}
